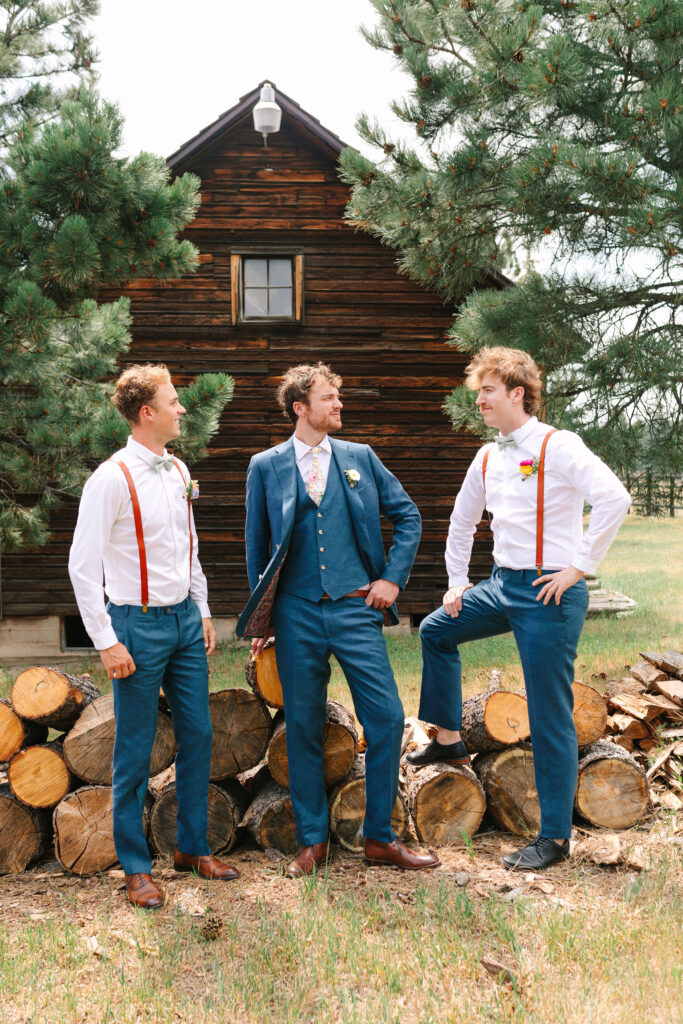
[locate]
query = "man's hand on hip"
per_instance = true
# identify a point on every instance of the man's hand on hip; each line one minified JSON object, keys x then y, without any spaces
{"x":556,"y":583}
{"x":259,"y":642}
{"x":452,"y":599}
{"x":117,"y":661}
{"x":382,"y":594}
{"x":209,"y":636}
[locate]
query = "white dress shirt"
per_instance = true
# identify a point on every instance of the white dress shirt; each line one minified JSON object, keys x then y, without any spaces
{"x":573,"y":474}
{"x":105,"y":539}
{"x":304,"y":458}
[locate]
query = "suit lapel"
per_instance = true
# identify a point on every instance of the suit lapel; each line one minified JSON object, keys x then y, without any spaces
{"x":346,"y":459}
{"x":284,"y":464}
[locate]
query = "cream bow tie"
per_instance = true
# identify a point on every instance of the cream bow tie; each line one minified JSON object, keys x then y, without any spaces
{"x":162,"y":462}
{"x":503,"y":441}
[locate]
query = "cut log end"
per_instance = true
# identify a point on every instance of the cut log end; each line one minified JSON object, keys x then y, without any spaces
{"x":38,"y":776}
{"x":84,"y":837}
{"x":612,"y":790}
{"x":446,"y":803}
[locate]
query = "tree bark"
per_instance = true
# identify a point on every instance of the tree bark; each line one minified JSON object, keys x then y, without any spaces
{"x":84,"y":831}
{"x":224,"y":815}
{"x":16,"y":733}
{"x":242,"y":727}
{"x":262,"y":676}
{"x":444,"y":802}
{"x":493,"y":720}
{"x":340,"y":746}
{"x":89,"y":745}
{"x":347,"y":810}
{"x":590,"y":714}
{"x":25,"y":833}
{"x":270,"y":819}
{"x":625,"y":685}
{"x":508,"y":780}
{"x":38,"y":776}
{"x":612,"y":789}
{"x":50,"y":697}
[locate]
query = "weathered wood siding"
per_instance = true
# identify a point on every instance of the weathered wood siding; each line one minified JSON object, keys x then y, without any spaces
{"x":380,"y":331}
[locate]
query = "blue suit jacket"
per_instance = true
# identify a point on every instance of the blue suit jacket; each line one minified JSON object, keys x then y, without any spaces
{"x":271,"y":505}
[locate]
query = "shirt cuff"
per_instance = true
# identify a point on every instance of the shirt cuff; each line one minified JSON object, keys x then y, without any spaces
{"x":203,"y":609}
{"x":107,"y":638}
{"x":583,"y":565}
{"x":457,"y":581}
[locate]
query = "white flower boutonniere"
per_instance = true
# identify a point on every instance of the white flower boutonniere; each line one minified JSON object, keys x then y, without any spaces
{"x":353,"y":476}
{"x":192,"y":490}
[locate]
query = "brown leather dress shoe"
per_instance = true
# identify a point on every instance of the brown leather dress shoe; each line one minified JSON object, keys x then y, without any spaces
{"x":206,"y":866}
{"x":309,"y":860}
{"x":398,"y":854}
{"x":142,"y":892}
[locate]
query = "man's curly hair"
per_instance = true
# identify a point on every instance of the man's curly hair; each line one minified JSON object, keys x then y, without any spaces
{"x":137,"y":386}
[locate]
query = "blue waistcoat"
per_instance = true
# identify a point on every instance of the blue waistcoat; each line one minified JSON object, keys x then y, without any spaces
{"x":323,"y":556}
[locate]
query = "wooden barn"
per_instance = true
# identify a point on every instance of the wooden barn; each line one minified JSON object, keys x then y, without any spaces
{"x":282,"y":279}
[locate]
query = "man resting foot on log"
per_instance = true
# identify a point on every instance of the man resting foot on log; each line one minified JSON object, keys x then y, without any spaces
{"x":135,"y":521}
{"x":534,"y":481}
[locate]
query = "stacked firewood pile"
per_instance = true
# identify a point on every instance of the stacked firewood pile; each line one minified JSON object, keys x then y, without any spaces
{"x":646,"y":719}
{"x":59,"y":790}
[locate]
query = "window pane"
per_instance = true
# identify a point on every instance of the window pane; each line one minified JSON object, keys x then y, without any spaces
{"x":255,"y":273}
{"x":256,"y":302}
{"x":280,"y":273}
{"x":280,"y":301}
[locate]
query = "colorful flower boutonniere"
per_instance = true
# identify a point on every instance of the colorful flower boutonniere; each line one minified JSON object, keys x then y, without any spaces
{"x":353,"y":476}
{"x":192,"y":490}
{"x":528,"y":467}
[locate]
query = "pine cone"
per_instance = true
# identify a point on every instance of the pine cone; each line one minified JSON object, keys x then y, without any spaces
{"x":212,"y":927}
{"x":468,"y":5}
{"x":398,"y":49}
{"x":426,"y":82}
{"x":367,"y":178}
{"x":518,"y":55}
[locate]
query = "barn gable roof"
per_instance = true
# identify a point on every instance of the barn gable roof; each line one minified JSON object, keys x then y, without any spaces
{"x":232,"y":117}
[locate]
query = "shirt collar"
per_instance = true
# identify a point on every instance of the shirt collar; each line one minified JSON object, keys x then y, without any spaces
{"x":525,"y":431}
{"x":143,"y":453}
{"x":301,"y":448}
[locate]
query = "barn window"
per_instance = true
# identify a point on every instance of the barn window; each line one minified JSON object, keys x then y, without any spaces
{"x":266,"y":286}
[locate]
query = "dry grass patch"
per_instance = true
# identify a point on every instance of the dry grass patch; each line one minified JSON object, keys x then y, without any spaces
{"x":353,"y":945}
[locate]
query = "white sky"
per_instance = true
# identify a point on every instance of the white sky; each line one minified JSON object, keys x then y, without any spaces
{"x":173,"y":67}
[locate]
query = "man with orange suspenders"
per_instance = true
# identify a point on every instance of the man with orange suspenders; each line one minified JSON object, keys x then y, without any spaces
{"x":135,"y":522}
{"x":533,"y":480}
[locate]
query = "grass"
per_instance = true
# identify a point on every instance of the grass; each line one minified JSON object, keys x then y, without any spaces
{"x":358,"y":945}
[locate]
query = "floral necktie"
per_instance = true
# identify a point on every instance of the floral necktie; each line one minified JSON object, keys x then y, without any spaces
{"x":316,"y":482}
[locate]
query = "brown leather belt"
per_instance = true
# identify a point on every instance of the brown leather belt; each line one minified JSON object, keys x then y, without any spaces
{"x":354,"y":593}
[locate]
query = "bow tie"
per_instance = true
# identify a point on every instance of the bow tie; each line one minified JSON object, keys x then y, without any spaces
{"x":503,"y":441}
{"x":162,"y":462}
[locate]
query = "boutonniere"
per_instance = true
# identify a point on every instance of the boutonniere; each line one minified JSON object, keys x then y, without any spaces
{"x":528,"y":467}
{"x":353,"y":476}
{"x":192,"y":490}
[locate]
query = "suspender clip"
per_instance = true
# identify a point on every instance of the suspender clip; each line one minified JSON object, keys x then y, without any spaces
{"x":144,"y":608}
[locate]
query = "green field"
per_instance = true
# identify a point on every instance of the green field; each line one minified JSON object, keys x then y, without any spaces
{"x":360,"y":945}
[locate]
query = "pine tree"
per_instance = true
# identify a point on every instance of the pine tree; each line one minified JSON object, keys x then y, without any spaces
{"x":553,"y":129}
{"x":74,"y":218}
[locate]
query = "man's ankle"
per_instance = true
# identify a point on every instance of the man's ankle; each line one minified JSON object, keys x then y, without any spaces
{"x":447,"y":736}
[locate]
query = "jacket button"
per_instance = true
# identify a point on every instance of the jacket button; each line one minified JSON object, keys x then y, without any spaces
{"x":320,"y":515}
{"x":322,"y":566}
{"x":322,"y":549}
{"x":320,"y":531}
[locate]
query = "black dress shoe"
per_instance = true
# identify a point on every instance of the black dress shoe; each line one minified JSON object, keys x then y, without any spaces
{"x":451,"y":753}
{"x":537,"y":855}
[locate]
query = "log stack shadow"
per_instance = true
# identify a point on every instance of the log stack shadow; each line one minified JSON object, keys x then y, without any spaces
{"x":59,"y":790}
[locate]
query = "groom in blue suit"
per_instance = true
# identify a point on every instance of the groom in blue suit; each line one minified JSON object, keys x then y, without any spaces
{"x":322,"y":584}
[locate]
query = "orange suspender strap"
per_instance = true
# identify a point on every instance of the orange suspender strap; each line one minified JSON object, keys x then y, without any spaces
{"x":144,"y":588}
{"x":483,"y":469}
{"x":539,"y":503}
{"x":189,"y":515}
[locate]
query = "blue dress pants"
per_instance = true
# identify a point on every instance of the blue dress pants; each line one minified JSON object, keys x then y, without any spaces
{"x":167,"y":646}
{"x":546,"y":637}
{"x":306,"y":633}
